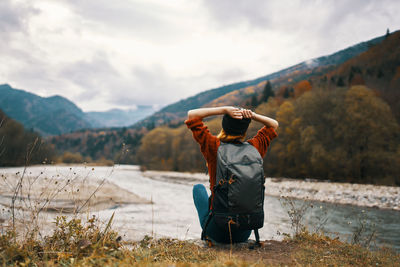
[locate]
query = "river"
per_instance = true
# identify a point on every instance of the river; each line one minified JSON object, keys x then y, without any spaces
{"x":172,"y":213}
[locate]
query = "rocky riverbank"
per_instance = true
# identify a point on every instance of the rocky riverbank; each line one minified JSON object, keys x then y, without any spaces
{"x":384,"y":197}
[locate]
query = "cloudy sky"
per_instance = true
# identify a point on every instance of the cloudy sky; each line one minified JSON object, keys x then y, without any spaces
{"x":104,"y":54}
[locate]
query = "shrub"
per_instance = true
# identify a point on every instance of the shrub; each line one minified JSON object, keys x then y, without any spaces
{"x":69,"y":157}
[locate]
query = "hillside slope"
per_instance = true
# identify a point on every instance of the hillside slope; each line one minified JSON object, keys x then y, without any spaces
{"x":378,"y":68}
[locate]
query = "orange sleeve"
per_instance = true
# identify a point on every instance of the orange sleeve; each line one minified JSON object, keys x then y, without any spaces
{"x":262,"y":139}
{"x":208,"y":142}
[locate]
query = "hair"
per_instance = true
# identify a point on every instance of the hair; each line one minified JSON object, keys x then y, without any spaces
{"x":224,"y":137}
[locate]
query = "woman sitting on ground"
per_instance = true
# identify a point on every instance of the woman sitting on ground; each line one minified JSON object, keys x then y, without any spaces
{"x":234,"y":126}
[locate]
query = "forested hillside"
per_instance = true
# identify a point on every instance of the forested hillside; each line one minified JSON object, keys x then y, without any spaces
{"x":336,"y":126}
{"x":19,"y":147}
{"x":116,"y":144}
{"x":378,"y":68}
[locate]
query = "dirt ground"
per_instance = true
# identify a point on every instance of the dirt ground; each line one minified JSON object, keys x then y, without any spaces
{"x":272,"y":252}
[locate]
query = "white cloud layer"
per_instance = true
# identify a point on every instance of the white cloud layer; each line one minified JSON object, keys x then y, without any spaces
{"x":104,"y":54}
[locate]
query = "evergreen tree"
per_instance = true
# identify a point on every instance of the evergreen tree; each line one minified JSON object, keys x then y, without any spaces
{"x":254,"y":101}
{"x":267,"y":92}
{"x":340,"y":82}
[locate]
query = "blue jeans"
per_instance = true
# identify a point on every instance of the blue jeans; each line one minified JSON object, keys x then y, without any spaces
{"x":213,"y":231}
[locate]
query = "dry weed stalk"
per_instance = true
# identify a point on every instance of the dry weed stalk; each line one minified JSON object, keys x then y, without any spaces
{"x":31,"y":199}
{"x":296,"y":212}
{"x":18,"y":188}
{"x":365,"y":232}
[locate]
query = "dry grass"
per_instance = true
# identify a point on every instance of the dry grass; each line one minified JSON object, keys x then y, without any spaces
{"x":74,"y":243}
{"x":318,"y":250}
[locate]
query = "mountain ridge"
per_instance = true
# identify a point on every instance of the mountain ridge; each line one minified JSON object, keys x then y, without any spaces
{"x":178,"y":109}
{"x":56,"y":114}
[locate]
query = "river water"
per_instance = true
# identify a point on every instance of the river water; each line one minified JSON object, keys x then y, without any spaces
{"x":173,"y":214}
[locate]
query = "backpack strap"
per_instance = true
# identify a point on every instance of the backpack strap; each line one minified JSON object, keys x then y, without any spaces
{"x":257,"y":235}
{"x":210,"y":214}
{"x":258,"y":243}
{"x":204,"y":231}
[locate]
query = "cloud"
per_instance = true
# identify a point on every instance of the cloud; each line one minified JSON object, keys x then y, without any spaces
{"x":105,"y":85}
{"x":154,"y":85}
{"x":13,"y":17}
{"x":94,"y":75}
{"x":146,"y":85}
{"x":13,"y":26}
{"x":142,"y":19}
{"x":307,"y":21}
{"x":231,"y":13}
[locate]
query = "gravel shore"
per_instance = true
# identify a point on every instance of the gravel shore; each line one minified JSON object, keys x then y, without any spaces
{"x":383,"y":197}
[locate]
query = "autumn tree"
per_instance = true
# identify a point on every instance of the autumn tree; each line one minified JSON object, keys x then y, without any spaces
{"x":302,"y":87}
{"x":372,"y":138}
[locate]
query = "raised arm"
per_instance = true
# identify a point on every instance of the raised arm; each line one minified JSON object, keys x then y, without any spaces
{"x":235,"y":113}
{"x":267,"y":121}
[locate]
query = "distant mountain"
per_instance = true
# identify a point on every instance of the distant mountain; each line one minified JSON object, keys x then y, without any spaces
{"x":119,"y":117}
{"x":177,"y":111}
{"x":57,"y":115}
{"x":46,"y":115}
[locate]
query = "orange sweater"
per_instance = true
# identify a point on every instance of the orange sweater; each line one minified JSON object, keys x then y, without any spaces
{"x":209,"y":144}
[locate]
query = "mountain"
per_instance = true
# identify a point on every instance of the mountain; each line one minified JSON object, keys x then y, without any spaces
{"x":57,"y":115}
{"x":119,"y":117}
{"x":46,"y":115}
{"x":298,"y":72}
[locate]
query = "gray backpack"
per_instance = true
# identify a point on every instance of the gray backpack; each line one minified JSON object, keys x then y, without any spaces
{"x":239,"y":191}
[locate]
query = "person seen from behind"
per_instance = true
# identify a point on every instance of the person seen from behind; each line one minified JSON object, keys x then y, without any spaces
{"x":235,"y":123}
